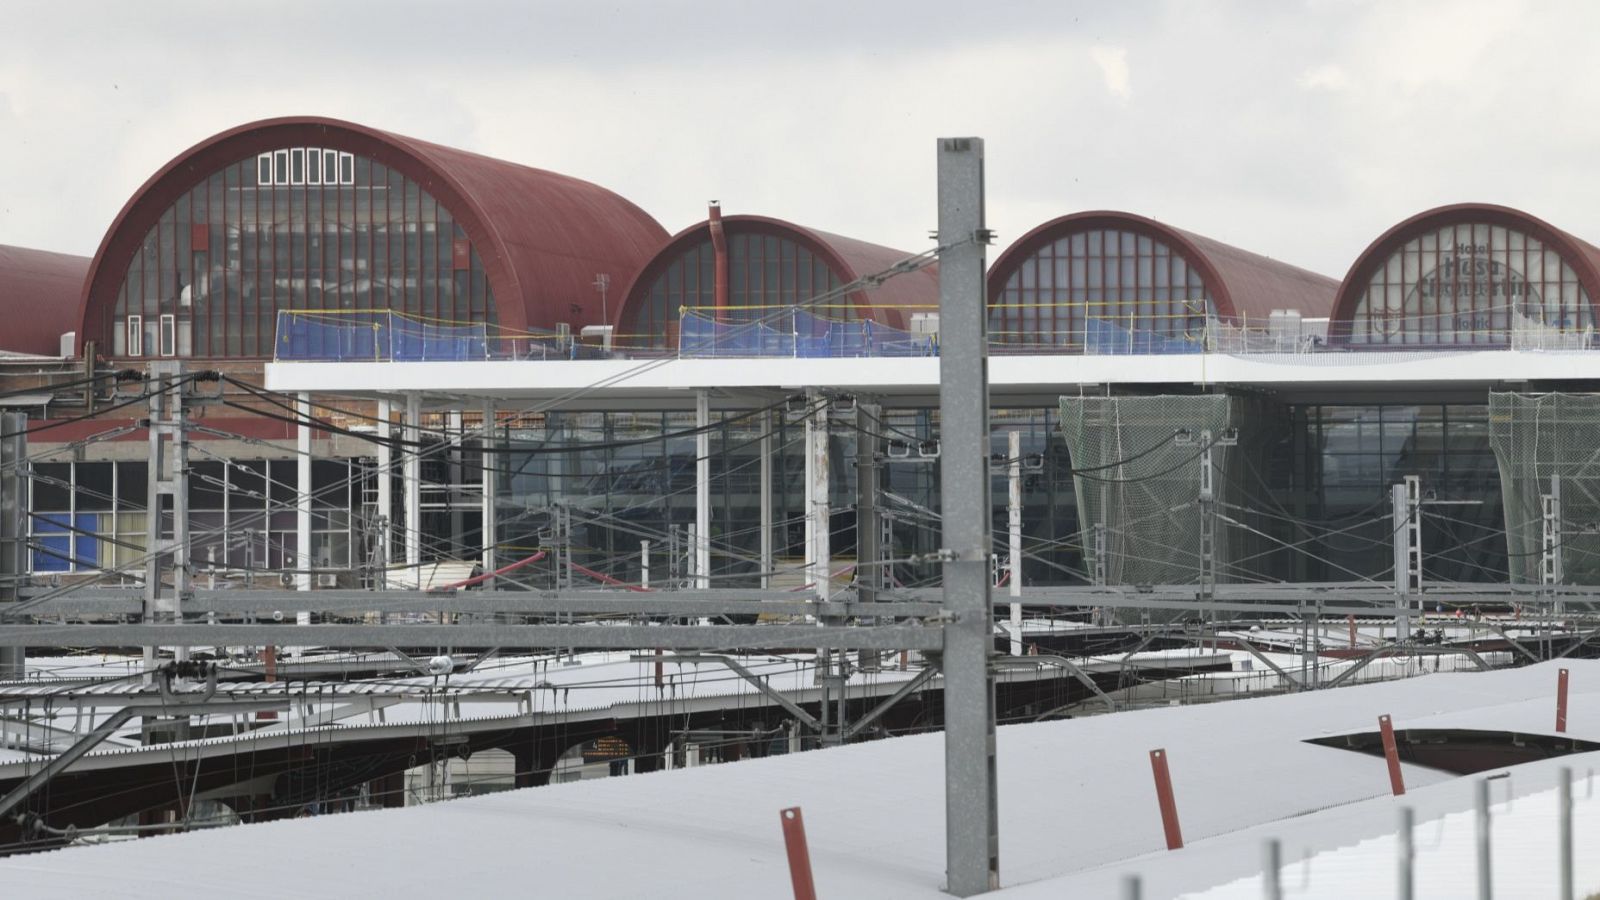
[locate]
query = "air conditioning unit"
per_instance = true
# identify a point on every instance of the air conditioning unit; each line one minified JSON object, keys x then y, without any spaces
{"x":286,"y":579}
{"x":327,"y":579}
{"x":597,"y":334}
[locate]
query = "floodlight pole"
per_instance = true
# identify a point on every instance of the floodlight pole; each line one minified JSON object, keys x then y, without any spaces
{"x":972,"y":839}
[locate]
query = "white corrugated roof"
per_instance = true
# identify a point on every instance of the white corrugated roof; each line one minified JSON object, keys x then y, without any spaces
{"x":1075,"y":797}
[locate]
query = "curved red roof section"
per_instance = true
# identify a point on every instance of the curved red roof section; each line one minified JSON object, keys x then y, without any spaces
{"x":39,"y":293}
{"x":1583,"y":256}
{"x":890,"y":303}
{"x":542,"y":236}
{"x":1242,"y":284}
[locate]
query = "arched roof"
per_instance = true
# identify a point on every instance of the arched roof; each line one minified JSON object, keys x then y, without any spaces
{"x":542,"y":236}
{"x":890,"y":303}
{"x":39,"y":293}
{"x":1583,"y":256}
{"x":1241,"y":283}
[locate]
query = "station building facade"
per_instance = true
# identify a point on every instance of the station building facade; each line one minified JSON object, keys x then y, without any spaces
{"x":317,"y":245}
{"x":307,"y":229}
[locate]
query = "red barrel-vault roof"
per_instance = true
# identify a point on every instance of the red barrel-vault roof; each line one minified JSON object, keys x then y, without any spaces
{"x":1241,"y":283}
{"x":1583,"y":256}
{"x":890,"y":303}
{"x":542,"y":236}
{"x":39,"y":293}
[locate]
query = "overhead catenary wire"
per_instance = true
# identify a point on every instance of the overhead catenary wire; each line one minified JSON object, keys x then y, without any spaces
{"x":901,"y":267}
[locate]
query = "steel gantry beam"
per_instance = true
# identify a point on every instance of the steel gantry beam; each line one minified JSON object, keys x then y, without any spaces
{"x":756,"y":681}
{"x":709,"y":602}
{"x":597,"y":636}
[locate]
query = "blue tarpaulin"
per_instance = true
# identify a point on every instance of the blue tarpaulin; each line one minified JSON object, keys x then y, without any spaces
{"x":382,"y":336}
{"x":1102,"y":337}
{"x":797,"y":333}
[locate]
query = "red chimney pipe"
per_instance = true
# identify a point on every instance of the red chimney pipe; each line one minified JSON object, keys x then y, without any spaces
{"x":719,"y":243}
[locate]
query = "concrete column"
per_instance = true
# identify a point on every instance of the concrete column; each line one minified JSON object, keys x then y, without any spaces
{"x":457,"y":476}
{"x":819,"y":554}
{"x":385,"y":484}
{"x":13,"y":528}
{"x":1014,"y":520}
{"x":871,"y":574}
{"x":702,"y":490}
{"x":412,"y":484}
{"x":302,"y":521}
{"x":766,"y":500}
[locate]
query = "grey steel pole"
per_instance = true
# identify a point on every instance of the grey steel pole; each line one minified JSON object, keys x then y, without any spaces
{"x":1402,"y":572}
{"x":1271,"y":862}
{"x":1564,"y":799}
{"x":972,"y":840}
{"x":1407,"y":855}
{"x":13,"y":543}
{"x":1485,"y":879}
{"x":168,"y":477}
{"x":1131,"y":889}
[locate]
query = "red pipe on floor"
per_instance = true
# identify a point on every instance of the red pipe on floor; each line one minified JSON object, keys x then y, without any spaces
{"x":479,"y":579}
{"x":1169,"y":804}
{"x":1391,"y":752}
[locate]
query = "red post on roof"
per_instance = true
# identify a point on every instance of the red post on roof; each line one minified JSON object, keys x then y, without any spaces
{"x":719,"y":243}
{"x":1391,"y":752}
{"x":1561,"y":700}
{"x":1169,"y":806}
{"x":794,"y":841}
{"x":1352,"y":632}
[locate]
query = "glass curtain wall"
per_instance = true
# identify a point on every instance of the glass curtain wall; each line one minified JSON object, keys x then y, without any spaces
{"x":252,"y":239}
{"x":634,"y":479}
{"x":765,"y":274}
{"x":88,"y":516}
{"x":1472,"y":284}
{"x":1337,"y":499}
{"x":1091,"y":284}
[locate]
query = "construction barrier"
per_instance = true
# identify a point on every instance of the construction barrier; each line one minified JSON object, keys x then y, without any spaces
{"x":796,"y":333}
{"x":1103,"y":337}
{"x":387,"y":336}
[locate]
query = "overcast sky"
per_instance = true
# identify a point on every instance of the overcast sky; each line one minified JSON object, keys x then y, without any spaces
{"x":1300,"y":130}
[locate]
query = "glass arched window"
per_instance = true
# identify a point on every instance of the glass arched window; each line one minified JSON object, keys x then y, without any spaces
{"x":296,"y":229}
{"x":1092,"y":284}
{"x":1469,"y":284}
{"x":766,"y":273}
